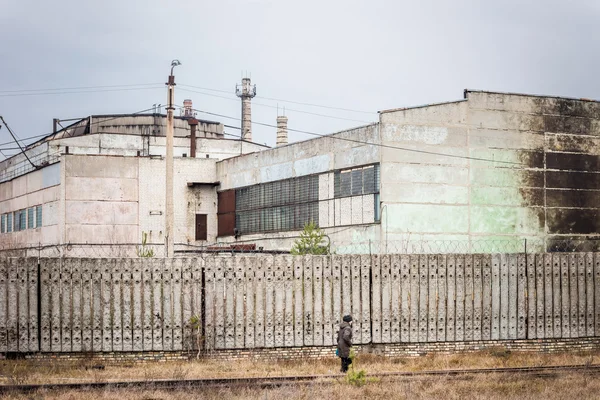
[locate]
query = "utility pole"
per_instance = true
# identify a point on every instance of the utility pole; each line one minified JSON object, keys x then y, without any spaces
{"x":169,"y":231}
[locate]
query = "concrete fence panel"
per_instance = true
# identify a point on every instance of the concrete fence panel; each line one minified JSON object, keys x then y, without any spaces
{"x":243,"y":302}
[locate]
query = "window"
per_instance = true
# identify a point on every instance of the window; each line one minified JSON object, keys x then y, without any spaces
{"x":201,"y":227}
{"x":277,"y":206}
{"x":3,"y":223}
{"x":20,"y":220}
{"x":9,"y":217}
{"x":23,"y":219}
{"x":38,"y":216}
{"x":30,"y":218}
{"x":356,"y":181}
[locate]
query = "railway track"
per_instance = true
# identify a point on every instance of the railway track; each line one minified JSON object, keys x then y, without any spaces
{"x":275,"y":381}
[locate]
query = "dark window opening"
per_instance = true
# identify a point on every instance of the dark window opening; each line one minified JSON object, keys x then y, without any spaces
{"x":201,"y":227}
{"x":226,"y":213}
{"x":277,"y":206}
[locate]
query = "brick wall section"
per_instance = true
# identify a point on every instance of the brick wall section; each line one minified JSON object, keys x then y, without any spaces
{"x":321,"y":352}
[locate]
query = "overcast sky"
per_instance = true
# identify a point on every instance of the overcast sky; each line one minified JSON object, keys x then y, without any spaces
{"x":358,"y":55}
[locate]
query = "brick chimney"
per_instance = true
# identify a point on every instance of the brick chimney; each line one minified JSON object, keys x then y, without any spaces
{"x":187,"y":108}
{"x":282,"y":134}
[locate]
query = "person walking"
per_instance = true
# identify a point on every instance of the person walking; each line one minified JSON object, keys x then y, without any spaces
{"x":344,"y":342}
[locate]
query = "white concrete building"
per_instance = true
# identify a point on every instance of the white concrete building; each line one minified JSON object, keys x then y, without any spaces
{"x":490,"y":172}
{"x":100,"y":182}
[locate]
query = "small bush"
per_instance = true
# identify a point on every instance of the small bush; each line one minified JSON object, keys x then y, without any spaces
{"x":356,"y":378}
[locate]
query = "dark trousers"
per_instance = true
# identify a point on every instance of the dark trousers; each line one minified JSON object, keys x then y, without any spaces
{"x":346,"y":361}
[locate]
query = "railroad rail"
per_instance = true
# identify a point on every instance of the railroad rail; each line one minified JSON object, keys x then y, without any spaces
{"x":275,"y":381}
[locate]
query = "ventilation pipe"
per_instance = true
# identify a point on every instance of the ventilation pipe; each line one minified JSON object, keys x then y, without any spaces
{"x":193,"y":122}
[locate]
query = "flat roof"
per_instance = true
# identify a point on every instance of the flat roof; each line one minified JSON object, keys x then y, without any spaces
{"x":466,"y":91}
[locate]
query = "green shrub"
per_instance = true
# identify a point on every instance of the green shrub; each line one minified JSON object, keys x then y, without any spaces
{"x":311,"y":241}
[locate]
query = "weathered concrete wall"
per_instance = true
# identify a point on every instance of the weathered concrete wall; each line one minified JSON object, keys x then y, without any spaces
{"x":347,"y":240}
{"x":112,"y":200}
{"x":524,"y":168}
{"x":506,"y":198}
{"x":126,"y":135}
{"x":37,"y":188}
{"x":555,"y":143}
{"x":18,"y":164}
{"x":424,"y":195}
{"x":101,"y":199}
{"x":189,"y":201}
{"x":302,"y":158}
{"x":132,"y":145}
{"x":153,"y":125}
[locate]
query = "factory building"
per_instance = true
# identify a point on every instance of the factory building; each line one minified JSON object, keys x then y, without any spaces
{"x":469,"y":175}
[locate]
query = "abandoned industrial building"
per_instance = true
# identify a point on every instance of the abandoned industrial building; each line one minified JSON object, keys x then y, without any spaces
{"x":488,"y":168}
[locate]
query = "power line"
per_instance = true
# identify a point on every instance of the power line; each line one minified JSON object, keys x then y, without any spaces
{"x":27,"y":138}
{"x":270,"y":106}
{"x":93,"y":123}
{"x":75,"y":92}
{"x":78,"y":88}
{"x":17,"y":142}
{"x":368,"y":143}
{"x":286,"y":101}
{"x":78,"y":119}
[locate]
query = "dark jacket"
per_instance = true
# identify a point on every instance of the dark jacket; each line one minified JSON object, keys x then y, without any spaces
{"x":344,"y":340}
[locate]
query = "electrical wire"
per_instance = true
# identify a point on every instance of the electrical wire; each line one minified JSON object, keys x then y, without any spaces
{"x":70,"y":126}
{"x":75,"y":92}
{"x":285,"y":101}
{"x":470,"y":134}
{"x":17,"y":142}
{"x":78,"y":87}
{"x":275,"y":107}
{"x":332,"y":136}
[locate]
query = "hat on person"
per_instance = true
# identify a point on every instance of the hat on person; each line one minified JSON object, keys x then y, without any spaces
{"x":347,"y":318}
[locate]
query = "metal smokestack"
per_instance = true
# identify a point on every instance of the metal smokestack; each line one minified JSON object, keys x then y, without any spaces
{"x":246,"y":91}
{"x":282,"y":134}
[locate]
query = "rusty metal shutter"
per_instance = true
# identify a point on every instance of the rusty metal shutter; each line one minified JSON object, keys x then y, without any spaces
{"x":226,"y":213}
{"x":201,"y":227}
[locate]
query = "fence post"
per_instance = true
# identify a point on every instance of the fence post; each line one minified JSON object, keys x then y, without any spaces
{"x":39,"y":305}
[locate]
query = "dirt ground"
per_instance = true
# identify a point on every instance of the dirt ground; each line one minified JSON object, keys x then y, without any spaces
{"x":485,"y":386}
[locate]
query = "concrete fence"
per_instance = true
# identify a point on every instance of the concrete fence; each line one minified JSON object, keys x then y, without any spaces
{"x":112,"y":305}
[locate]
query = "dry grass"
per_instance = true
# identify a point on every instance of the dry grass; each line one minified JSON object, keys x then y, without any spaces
{"x":35,"y":372}
{"x":483,"y":387}
{"x":20,"y":372}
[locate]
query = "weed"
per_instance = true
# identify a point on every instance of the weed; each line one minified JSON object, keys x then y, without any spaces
{"x":144,"y":251}
{"x":356,"y":378}
{"x":180,"y":372}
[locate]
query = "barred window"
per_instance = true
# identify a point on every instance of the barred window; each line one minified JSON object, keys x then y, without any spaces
{"x":9,"y":224}
{"x":3,"y":223}
{"x":30,"y":218}
{"x":20,"y":220}
{"x":23,"y":219}
{"x":277,"y":206}
{"x":38,"y":216}
{"x":356,"y":181}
